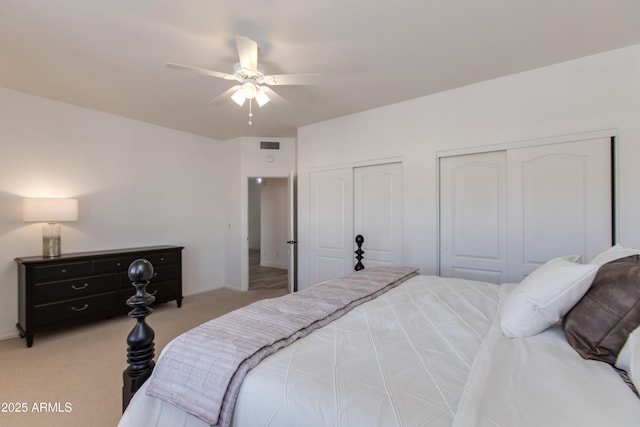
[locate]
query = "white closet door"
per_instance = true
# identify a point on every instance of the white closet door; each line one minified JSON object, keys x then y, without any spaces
{"x":473,"y":216}
{"x":378,"y":213}
{"x":503,"y":214}
{"x":331,"y":224}
{"x":565,"y":194}
{"x":346,"y":202}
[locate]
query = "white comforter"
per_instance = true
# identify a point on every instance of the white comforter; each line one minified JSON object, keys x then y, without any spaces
{"x":542,"y":381}
{"x":406,"y":359}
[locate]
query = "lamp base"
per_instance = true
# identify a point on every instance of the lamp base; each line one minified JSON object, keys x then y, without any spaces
{"x":51,"y":240}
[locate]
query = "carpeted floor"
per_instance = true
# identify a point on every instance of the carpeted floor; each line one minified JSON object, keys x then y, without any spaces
{"x":73,"y":377}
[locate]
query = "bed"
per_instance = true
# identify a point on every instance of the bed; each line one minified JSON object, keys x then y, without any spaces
{"x":418,"y":350}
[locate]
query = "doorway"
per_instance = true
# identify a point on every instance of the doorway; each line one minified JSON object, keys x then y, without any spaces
{"x":267,"y":233}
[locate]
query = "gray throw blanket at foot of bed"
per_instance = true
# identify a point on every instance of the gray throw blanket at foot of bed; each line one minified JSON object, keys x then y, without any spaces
{"x":201,"y":371}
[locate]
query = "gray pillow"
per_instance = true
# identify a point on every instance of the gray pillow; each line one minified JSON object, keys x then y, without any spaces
{"x":600,"y":323}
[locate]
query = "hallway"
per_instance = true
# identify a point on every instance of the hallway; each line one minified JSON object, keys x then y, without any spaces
{"x":265,"y":277}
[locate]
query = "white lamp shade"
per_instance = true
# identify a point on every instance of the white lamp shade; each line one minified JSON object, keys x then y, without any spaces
{"x":238,"y":97}
{"x":262,"y":98}
{"x":49,"y":210}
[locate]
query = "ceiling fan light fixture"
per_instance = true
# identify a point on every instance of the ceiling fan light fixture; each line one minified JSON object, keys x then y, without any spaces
{"x":249,"y":90}
{"x":238,"y":97}
{"x":262,"y":98}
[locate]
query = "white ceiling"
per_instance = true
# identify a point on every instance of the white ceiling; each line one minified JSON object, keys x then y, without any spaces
{"x":109,"y":55}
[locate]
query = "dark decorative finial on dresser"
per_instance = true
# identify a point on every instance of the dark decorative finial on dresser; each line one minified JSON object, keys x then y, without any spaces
{"x":140,"y":351}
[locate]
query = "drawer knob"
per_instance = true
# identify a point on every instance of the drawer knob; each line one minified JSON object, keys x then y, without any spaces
{"x":118,"y":264}
{"x":64,"y":270}
{"x":79,"y":288}
{"x":83,"y":308}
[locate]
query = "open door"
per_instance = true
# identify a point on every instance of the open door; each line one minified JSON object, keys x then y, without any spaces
{"x":293,"y":248}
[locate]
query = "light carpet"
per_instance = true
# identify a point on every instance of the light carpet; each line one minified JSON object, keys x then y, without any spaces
{"x":73,"y":377}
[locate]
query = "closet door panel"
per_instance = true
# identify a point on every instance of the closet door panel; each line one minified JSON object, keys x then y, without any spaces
{"x":331,"y":223}
{"x":505,"y":213}
{"x":378,"y":213}
{"x":565,"y":203}
{"x":350,"y":201}
{"x":472,"y":216}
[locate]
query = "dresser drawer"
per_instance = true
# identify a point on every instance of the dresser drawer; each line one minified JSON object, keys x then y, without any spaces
{"x":165,"y":258}
{"x":165,"y":273}
{"x":109,"y":265}
{"x":160,"y":274}
{"x":122,"y":263}
{"x":60,"y":270}
{"x":74,"y":288}
{"x":77,"y":308}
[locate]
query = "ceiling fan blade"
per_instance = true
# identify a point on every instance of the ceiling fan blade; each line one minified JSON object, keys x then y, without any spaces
{"x":294,"y":79}
{"x":224,"y":96}
{"x":198,"y":70}
{"x":247,"y":52}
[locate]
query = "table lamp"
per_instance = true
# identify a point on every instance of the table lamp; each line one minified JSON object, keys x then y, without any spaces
{"x":50,"y":211}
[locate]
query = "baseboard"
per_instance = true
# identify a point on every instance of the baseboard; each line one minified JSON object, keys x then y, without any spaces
{"x":10,"y":336}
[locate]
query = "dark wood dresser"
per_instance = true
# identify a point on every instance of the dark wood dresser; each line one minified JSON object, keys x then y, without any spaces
{"x":78,"y":288}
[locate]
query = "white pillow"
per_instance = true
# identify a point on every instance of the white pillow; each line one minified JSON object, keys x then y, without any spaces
{"x":545,"y":295}
{"x":614,"y":252}
{"x":634,"y":372}
{"x":629,"y":357}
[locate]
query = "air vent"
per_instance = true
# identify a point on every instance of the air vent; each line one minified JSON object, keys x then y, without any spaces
{"x":269,"y":145}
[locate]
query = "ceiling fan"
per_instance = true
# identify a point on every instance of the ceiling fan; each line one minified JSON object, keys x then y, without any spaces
{"x":252,"y":77}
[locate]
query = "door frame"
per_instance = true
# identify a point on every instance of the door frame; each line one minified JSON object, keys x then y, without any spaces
{"x":604,"y":133}
{"x":244,"y":226}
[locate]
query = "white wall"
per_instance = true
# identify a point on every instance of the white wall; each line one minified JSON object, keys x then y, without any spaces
{"x":253,"y":162}
{"x":592,"y":93}
{"x":137,"y":185}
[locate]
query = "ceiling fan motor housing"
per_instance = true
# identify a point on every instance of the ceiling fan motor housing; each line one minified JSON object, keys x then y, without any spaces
{"x":241,"y":74}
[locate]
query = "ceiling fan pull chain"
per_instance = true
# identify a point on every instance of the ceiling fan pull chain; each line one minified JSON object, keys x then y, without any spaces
{"x":250,"y":113}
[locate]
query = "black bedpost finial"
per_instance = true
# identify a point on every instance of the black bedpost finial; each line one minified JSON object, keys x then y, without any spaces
{"x":140,"y":351}
{"x":359,"y":241}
